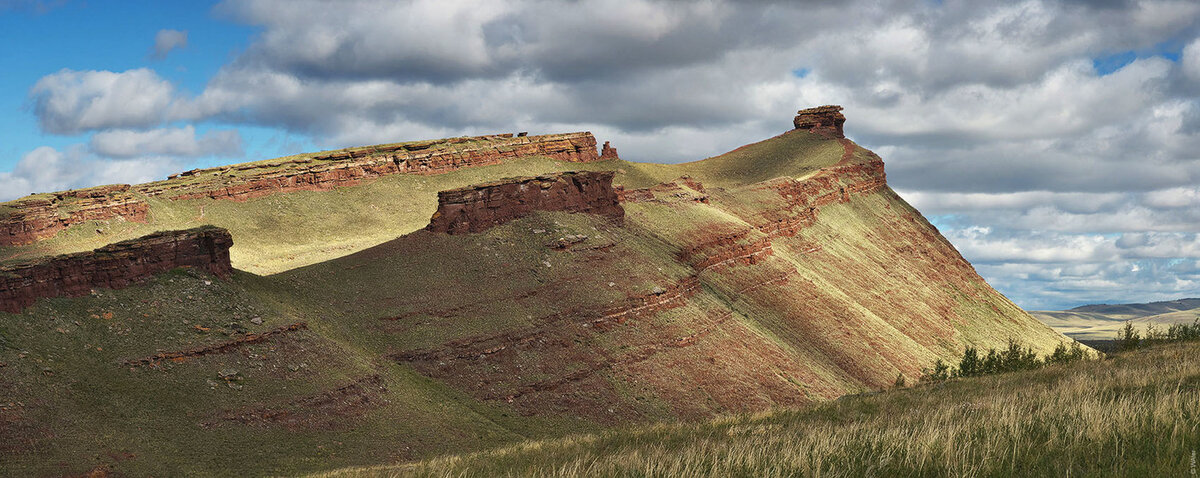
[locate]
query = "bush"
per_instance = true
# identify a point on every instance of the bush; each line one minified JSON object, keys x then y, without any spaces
{"x":939,"y":373}
{"x":1128,"y":338}
{"x":1063,"y":354}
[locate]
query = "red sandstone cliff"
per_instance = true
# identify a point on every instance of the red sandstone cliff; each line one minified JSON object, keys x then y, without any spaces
{"x":826,"y":120}
{"x":350,"y":167}
{"x":479,"y":207}
{"x":115,"y":266}
{"x":34,"y":218}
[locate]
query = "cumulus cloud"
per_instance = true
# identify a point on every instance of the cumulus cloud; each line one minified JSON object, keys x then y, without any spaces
{"x":178,"y":142}
{"x":71,"y":102}
{"x":166,"y":41}
{"x":47,"y":169}
{"x":988,"y":115}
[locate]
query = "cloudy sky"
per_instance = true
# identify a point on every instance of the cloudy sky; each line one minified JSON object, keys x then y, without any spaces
{"x":1056,"y":143}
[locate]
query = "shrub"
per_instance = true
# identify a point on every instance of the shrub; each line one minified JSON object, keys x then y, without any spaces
{"x":1063,"y":354}
{"x":939,"y":373}
{"x":1128,"y":338}
{"x":970,"y":365}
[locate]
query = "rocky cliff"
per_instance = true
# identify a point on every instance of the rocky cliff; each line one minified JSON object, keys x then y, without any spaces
{"x":326,"y":171}
{"x":479,"y":207}
{"x":114,"y":266}
{"x":38,"y":217}
{"x":825,"y":120}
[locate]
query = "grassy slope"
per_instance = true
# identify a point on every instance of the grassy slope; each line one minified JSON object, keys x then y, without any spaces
{"x":1134,"y":415}
{"x":1102,"y":322}
{"x":284,"y":231}
{"x":499,"y":314}
{"x":70,"y":404}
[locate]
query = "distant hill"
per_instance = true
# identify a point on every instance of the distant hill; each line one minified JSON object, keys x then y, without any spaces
{"x":781,"y":274}
{"x":1103,"y":321}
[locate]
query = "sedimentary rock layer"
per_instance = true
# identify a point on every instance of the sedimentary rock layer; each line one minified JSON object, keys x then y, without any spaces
{"x":479,"y":207}
{"x":350,"y":167}
{"x":42,"y":216}
{"x":115,"y":266}
{"x":826,"y":120}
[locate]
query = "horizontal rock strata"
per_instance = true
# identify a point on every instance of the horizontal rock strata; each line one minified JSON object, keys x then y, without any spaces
{"x":825,"y":120}
{"x":349,"y":167}
{"x":115,"y":266}
{"x":479,"y":207}
{"x":38,"y":217}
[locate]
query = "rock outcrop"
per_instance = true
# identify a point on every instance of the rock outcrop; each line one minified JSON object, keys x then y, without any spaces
{"x":327,"y":171}
{"x":608,"y":152}
{"x":41,"y":216}
{"x":115,"y":266}
{"x":479,"y":207}
{"x":825,"y":120}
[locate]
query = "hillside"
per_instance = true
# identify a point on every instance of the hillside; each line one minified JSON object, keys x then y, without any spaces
{"x":1124,"y":417}
{"x":783,"y":273}
{"x":1103,"y":321}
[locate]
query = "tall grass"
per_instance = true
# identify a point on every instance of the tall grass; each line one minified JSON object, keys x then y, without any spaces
{"x":1136,"y":414}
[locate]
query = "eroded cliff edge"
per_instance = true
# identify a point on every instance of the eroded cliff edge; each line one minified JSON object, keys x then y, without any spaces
{"x":479,"y":207}
{"x":115,"y":266}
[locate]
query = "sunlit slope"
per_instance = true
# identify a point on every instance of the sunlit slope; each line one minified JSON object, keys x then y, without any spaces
{"x":694,"y":306}
{"x":783,"y":273}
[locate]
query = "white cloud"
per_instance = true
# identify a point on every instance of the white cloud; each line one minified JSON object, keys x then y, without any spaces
{"x":1191,"y":60}
{"x":179,"y":142}
{"x":46,"y":169}
{"x":990,"y":113}
{"x":70,"y":102}
{"x":166,"y":41}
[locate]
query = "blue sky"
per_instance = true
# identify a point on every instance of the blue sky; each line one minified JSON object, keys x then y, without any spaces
{"x":119,"y":36}
{"x":1056,"y":143}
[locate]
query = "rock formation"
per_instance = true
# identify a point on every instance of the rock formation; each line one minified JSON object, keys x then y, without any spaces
{"x":479,"y":207}
{"x":115,"y":266}
{"x":608,"y":152}
{"x":38,"y":217}
{"x":825,"y":120}
{"x":352,"y":166}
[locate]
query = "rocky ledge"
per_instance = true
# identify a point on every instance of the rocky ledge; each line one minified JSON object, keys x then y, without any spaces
{"x":482,"y":206}
{"x":115,"y":266}
{"x":30,"y":219}
{"x":825,"y":120}
{"x":349,"y":167}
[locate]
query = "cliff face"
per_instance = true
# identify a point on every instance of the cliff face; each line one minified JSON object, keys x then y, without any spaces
{"x":350,"y":167}
{"x":115,"y":266}
{"x":825,"y":120}
{"x":479,"y":207}
{"x":35,"y":218}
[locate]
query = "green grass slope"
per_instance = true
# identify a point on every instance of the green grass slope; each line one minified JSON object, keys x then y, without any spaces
{"x":417,"y":344}
{"x":1135,"y":415}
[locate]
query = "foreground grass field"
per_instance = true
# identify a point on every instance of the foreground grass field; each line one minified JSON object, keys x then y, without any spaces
{"x":1135,"y":414}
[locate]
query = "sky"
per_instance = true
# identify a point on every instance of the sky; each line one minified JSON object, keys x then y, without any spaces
{"x":1055,"y":143}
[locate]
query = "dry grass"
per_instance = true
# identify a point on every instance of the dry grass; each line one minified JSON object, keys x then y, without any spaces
{"x":1133,"y":415}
